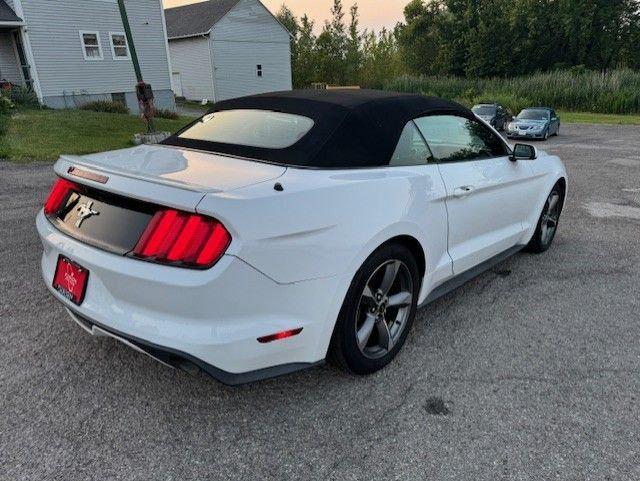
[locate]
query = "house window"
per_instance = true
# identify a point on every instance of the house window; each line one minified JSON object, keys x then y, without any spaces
{"x":91,"y":48}
{"x":119,"y":46}
{"x":259,"y":70}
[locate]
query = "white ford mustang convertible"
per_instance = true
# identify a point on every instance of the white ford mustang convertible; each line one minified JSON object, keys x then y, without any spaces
{"x":283,"y":229}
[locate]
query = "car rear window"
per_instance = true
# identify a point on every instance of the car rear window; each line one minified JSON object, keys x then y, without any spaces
{"x":484,"y":110}
{"x":252,"y":128}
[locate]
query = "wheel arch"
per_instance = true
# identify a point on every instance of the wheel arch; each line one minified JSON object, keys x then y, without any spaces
{"x":414,"y":246}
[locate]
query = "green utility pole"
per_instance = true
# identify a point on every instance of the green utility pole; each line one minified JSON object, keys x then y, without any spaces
{"x":132,"y":47}
{"x":144,"y":92}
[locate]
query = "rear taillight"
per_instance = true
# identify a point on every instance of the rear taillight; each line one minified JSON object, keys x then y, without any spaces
{"x":59,"y":195}
{"x":180,"y":238}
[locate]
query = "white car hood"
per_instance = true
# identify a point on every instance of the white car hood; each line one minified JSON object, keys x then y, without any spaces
{"x":200,"y":171}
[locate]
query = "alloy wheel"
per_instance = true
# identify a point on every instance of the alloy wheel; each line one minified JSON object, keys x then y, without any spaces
{"x":550,"y":217}
{"x":384,"y":309}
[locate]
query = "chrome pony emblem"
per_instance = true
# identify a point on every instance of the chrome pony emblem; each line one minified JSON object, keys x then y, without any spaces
{"x":84,"y":212}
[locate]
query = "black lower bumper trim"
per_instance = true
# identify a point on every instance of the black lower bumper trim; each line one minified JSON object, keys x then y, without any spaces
{"x":191,"y":364}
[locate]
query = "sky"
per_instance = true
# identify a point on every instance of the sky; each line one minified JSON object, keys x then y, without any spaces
{"x":374,"y":14}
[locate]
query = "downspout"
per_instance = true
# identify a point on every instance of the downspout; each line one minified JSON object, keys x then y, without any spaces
{"x":213,"y":66}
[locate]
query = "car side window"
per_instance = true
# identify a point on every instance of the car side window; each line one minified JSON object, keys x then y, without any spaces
{"x":452,"y":138}
{"x":411,"y":148}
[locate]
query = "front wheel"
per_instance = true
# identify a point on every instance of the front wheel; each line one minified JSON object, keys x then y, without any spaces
{"x":378,"y":311}
{"x":548,"y":222}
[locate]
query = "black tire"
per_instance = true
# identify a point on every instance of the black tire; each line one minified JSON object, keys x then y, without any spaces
{"x":542,"y":239}
{"x":546,"y":135}
{"x":344,"y":350}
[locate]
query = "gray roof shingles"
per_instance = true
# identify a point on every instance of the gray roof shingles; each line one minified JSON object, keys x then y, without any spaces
{"x":196,"y":18}
{"x":6,"y":14}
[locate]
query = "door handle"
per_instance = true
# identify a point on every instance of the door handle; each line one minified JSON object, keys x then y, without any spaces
{"x":462,"y":191}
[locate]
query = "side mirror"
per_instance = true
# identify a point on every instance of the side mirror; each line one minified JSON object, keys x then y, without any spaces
{"x":523,"y":151}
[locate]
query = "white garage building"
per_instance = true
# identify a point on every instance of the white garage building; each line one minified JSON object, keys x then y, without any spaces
{"x":222,"y":49}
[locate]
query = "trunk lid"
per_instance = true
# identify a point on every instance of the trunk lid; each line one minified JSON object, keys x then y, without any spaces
{"x":196,"y":171}
{"x":120,"y":191}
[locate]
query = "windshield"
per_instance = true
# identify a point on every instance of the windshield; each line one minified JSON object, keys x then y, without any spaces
{"x":252,"y":128}
{"x":534,"y":114}
{"x":484,"y":110}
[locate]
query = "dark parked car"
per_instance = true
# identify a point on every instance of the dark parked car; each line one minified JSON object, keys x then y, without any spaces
{"x":494,"y":114}
{"x":534,"y":123}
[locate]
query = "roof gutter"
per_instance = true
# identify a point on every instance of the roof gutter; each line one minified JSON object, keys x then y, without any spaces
{"x":12,"y":24}
{"x":190,"y":35}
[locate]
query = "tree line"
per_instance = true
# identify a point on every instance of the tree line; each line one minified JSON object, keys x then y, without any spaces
{"x":466,"y":38}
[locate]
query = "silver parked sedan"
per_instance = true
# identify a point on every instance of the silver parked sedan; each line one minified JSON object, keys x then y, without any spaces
{"x":534,"y":123}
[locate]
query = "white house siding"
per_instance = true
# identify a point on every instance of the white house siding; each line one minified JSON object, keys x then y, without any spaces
{"x":246,"y":37}
{"x":191,"y":58}
{"x":9,"y":69}
{"x":67,"y":79}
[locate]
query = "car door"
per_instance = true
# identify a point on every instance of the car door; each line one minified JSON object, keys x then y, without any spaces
{"x":555,"y":123}
{"x":488,"y":195}
{"x":502,"y":118}
{"x":428,"y":208}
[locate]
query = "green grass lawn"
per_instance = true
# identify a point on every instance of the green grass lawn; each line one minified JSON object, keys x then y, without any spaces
{"x":46,"y":134}
{"x":590,"y":118}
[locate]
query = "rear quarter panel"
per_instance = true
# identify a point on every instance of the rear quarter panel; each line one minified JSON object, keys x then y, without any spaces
{"x":327,"y":222}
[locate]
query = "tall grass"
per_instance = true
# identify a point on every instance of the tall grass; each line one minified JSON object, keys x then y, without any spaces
{"x":615,"y":92}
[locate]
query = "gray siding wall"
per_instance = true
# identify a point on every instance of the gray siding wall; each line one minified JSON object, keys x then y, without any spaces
{"x":191,"y":58}
{"x":9,"y":69}
{"x":54,"y":27}
{"x":246,"y":37}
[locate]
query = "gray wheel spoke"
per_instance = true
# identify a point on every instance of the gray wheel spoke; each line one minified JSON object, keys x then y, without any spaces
{"x":364,"y":333}
{"x":544,"y":231}
{"x":390,"y":273}
{"x":553,"y":202}
{"x":384,"y":336}
{"x":400,"y":299}
{"x":367,"y":296}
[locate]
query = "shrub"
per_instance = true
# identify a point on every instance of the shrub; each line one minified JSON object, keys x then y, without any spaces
{"x":167,"y":114}
{"x":24,"y":97}
{"x":6,"y":105}
{"x":106,"y":106}
{"x":4,"y":124}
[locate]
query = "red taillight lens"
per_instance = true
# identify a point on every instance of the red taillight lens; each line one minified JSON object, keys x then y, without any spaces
{"x":58,"y":195}
{"x":175,"y":237}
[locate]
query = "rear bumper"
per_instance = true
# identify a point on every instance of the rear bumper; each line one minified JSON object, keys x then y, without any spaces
{"x":186,"y":362}
{"x":211,"y":319}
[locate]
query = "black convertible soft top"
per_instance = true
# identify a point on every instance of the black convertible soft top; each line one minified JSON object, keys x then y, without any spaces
{"x":352,"y":128}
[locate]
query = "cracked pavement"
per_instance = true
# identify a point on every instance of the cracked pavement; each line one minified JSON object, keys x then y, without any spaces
{"x":530,"y":371}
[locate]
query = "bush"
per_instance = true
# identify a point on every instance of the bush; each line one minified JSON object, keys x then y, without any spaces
{"x":24,"y":97}
{"x":167,"y":114}
{"x":4,"y":124}
{"x":107,"y":106}
{"x":6,"y":106}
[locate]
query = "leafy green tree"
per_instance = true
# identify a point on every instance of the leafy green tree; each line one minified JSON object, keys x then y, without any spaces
{"x":331,"y":47}
{"x":304,"y":67}
{"x":353,"y":56}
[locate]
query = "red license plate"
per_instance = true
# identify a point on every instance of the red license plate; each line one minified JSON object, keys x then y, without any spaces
{"x":70,"y":280}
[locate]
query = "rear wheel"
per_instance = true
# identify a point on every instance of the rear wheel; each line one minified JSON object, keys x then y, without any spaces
{"x":378,"y":311}
{"x":548,"y":222}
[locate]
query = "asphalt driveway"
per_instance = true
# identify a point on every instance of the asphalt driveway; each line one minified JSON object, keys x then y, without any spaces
{"x":531,"y":371}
